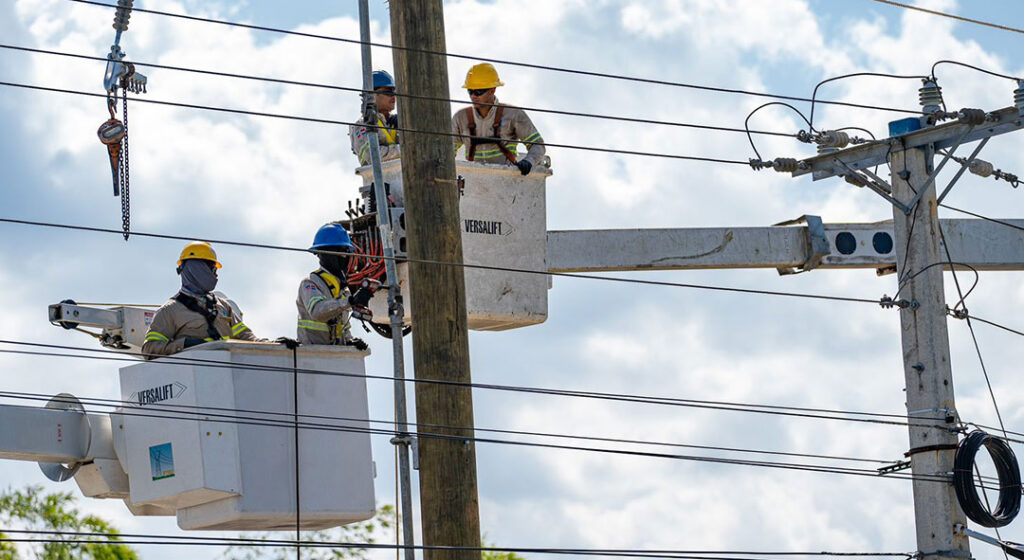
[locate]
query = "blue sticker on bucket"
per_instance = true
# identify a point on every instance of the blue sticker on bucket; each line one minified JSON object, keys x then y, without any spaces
{"x":161,"y":461}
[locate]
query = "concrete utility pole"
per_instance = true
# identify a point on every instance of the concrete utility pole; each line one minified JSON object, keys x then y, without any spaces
{"x":927,"y":369}
{"x":448,"y":488}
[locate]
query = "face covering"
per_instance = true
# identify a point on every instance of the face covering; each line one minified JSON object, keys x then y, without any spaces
{"x":198,"y":277}
{"x":335,"y":264}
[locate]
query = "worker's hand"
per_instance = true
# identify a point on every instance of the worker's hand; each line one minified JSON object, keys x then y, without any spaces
{"x":361,"y":297}
{"x":289,"y":343}
{"x":190,"y":342}
{"x":358,"y":343}
{"x":524,"y":167}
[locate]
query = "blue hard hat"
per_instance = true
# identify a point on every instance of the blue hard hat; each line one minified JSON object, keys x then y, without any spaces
{"x":382,"y":79}
{"x":331,"y":235}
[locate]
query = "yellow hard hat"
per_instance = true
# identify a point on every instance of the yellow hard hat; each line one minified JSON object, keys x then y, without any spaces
{"x":482,"y":76}
{"x":198,"y":250}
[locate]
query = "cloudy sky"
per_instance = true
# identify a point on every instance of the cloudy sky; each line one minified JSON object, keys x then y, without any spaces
{"x":211,"y":175}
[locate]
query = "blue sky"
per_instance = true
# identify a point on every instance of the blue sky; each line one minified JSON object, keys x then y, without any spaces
{"x":217,"y":176}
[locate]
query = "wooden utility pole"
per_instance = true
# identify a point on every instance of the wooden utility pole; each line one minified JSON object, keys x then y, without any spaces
{"x":927,"y":369}
{"x":448,"y":488}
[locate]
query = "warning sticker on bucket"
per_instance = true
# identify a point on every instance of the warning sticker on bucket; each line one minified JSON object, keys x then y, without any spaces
{"x":161,"y":461}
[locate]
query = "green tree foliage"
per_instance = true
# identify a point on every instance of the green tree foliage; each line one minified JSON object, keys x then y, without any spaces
{"x":31,"y":509}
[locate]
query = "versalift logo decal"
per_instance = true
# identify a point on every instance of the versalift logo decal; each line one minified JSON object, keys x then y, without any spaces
{"x":158,"y":393}
{"x":487,"y":227}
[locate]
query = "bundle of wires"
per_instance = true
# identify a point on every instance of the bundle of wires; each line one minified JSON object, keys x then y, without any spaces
{"x":1009,"y":480}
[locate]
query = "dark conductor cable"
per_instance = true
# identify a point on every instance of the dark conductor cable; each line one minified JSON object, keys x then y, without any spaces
{"x":397,"y":94}
{"x":1008,"y":470}
{"x":814,"y":96}
{"x":633,"y":79}
{"x":746,"y":121}
{"x":348,"y":123}
{"x":460,"y":265}
{"x":951,"y":16}
{"x":965,"y":65}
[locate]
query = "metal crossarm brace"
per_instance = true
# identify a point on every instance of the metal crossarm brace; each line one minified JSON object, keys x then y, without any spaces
{"x":963,"y":167}
{"x":935,"y":173}
{"x":863,"y":156}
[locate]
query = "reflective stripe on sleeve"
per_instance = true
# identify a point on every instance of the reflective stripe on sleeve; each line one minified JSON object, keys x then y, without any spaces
{"x":237,"y":329}
{"x":153,"y":335}
{"x":314,"y":326}
{"x":313,"y":301}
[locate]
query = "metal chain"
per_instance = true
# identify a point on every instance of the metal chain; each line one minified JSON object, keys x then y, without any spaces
{"x":125,"y":202}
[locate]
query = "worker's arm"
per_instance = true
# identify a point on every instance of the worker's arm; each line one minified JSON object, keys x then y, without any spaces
{"x":160,"y":339}
{"x":320,"y":306}
{"x":529,"y":135}
{"x":388,"y":152}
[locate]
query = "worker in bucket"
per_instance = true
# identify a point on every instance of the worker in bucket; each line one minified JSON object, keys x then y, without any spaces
{"x":387,"y":123}
{"x":491,"y":131}
{"x":325,"y":302}
{"x":195,"y":314}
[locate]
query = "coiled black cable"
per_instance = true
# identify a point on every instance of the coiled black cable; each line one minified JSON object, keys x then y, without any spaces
{"x":1009,"y":480}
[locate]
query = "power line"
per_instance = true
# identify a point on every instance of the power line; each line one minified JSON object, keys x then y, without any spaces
{"x":350,"y":123}
{"x":143,"y":538}
{"x":943,"y":14}
{"x":462,"y":265}
{"x":319,"y":426}
{"x":406,"y":95}
{"x":189,"y":411}
{"x":781,"y":410}
{"x":501,"y":61}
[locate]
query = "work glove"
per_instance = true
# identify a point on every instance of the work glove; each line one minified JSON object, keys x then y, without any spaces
{"x":289,"y":343}
{"x":358,"y":343}
{"x":190,"y":342}
{"x":524,"y":167}
{"x":365,"y":292}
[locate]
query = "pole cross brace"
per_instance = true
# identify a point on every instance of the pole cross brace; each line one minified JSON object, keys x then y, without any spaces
{"x":895,"y":467}
{"x":817,"y":243}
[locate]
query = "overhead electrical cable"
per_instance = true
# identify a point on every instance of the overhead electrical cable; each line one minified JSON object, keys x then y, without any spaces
{"x":398,"y":94}
{"x":149,"y":538}
{"x":191,"y":411}
{"x":814,"y":95}
{"x":300,"y":118}
{"x":633,"y":79}
{"x":460,"y":265}
{"x":461,"y":437}
{"x":946,"y":15}
{"x":780,"y":410}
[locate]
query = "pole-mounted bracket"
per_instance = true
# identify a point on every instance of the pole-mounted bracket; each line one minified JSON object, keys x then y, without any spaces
{"x":1013,"y":549}
{"x":817,"y":244}
{"x":895,"y":467}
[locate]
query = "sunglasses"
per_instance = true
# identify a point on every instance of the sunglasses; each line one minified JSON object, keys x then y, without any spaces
{"x":387,"y":92}
{"x":478,"y":92}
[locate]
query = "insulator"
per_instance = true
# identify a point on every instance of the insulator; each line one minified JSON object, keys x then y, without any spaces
{"x":785,"y":165}
{"x":833,"y":139}
{"x":1018,"y":96}
{"x":971,"y":116}
{"x":981,"y":168}
{"x":930,"y":95}
{"x":124,"y":12}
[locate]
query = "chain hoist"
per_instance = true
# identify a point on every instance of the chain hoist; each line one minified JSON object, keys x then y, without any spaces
{"x":113,"y":133}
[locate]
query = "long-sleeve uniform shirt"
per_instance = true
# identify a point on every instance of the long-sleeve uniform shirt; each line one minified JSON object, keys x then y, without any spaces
{"x":515,"y":126}
{"x":174,"y":322}
{"x":324,"y":310}
{"x":387,"y":134}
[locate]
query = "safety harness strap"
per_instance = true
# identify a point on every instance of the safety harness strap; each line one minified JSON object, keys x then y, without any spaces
{"x":475,"y":140}
{"x":210,"y":316}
